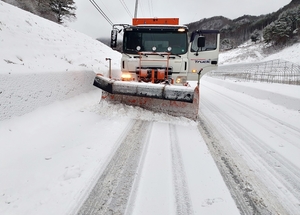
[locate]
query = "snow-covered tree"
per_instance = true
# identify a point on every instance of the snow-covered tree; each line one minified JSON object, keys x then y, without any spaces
{"x":255,"y":36}
{"x":43,"y":7}
{"x":268,"y":33}
{"x":282,"y":31}
{"x":284,"y":28}
{"x":54,"y":10}
{"x":227,"y":44}
{"x":63,"y":9}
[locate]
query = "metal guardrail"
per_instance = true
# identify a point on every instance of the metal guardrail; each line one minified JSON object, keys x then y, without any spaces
{"x":274,"y":71}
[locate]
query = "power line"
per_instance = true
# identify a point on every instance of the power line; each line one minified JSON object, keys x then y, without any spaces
{"x":105,"y":8}
{"x":141,"y":10}
{"x":126,"y":8}
{"x":150,"y":7}
{"x":101,"y":12}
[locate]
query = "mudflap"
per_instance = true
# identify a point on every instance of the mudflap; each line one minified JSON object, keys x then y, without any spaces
{"x":171,"y":107}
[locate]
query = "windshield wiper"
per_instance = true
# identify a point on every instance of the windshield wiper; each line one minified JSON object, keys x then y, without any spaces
{"x":144,"y":54}
{"x":134,"y":52}
{"x":163,"y":55}
{"x":176,"y":55}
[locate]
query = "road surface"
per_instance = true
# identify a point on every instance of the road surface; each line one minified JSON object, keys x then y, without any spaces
{"x":260,"y":141}
{"x":81,"y":157}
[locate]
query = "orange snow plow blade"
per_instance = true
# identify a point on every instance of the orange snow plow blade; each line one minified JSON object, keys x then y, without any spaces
{"x":173,"y":100}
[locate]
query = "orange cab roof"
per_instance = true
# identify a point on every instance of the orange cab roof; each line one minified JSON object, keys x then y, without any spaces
{"x":159,"y":21}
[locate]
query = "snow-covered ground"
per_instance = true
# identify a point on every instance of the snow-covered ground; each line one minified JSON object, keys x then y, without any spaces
{"x":37,"y":55}
{"x":253,"y":53}
{"x":56,"y":139}
{"x":259,"y":124}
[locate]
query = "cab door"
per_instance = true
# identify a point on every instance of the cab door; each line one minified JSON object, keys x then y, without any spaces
{"x":203,"y":54}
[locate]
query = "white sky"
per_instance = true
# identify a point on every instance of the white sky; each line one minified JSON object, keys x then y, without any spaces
{"x":91,"y":22}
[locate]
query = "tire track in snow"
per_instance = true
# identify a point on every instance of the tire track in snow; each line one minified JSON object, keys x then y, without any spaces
{"x":246,"y":200}
{"x":283,"y":172}
{"x":281,"y":168}
{"x":111,"y":192}
{"x":286,"y":127}
{"x":287,"y":175}
{"x":183,"y":201}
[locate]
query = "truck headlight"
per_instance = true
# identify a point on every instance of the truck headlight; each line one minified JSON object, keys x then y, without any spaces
{"x":126,"y":77}
{"x":180,"y":80}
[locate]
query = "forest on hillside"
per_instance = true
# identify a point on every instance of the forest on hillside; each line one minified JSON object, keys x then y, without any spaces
{"x":54,"y":10}
{"x":277,"y":28}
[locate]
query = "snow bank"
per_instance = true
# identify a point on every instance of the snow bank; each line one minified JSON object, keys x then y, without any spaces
{"x":279,"y":94}
{"x":42,"y":62}
{"x":22,"y":93}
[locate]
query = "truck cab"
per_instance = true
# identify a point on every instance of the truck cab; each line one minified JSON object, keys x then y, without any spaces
{"x":159,"y":50}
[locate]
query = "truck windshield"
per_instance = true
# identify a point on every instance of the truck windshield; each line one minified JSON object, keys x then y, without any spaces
{"x":158,"y":41}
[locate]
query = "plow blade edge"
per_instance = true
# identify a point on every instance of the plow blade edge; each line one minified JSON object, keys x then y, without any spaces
{"x":173,"y":100}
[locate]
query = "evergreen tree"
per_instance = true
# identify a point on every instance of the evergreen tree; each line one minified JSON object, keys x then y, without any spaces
{"x":297,"y":21}
{"x":268,"y":33}
{"x":255,"y":36}
{"x":227,"y":44}
{"x":284,"y":28}
{"x":43,"y":6}
{"x":63,"y":9}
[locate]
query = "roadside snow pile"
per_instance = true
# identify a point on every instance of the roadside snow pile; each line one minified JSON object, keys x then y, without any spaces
{"x":109,"y":111}
{"x":42,"y":62}
{"x":32,"y":44}
{"x":22,"y":93}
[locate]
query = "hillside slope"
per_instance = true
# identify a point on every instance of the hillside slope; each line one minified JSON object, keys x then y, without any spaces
{"x":37,"y":54}
{"x":250,"y":52}
{"x":239,"y":30}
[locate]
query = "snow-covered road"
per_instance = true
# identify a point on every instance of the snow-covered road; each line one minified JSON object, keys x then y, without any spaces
{"x":59,"y":153}
{"x":160,"y":168}
{"x":263,"y":140}
{"x":65,"y":152}
{"x":179,"y":165}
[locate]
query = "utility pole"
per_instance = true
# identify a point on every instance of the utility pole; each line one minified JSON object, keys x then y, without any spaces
{"x":136,"y":8}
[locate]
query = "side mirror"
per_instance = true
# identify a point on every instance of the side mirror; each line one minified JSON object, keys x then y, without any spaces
{"x":201,"y":42}
{"x":113,"y":38}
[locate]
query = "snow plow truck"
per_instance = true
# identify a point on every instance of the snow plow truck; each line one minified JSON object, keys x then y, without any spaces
{"x":161,"y":66}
